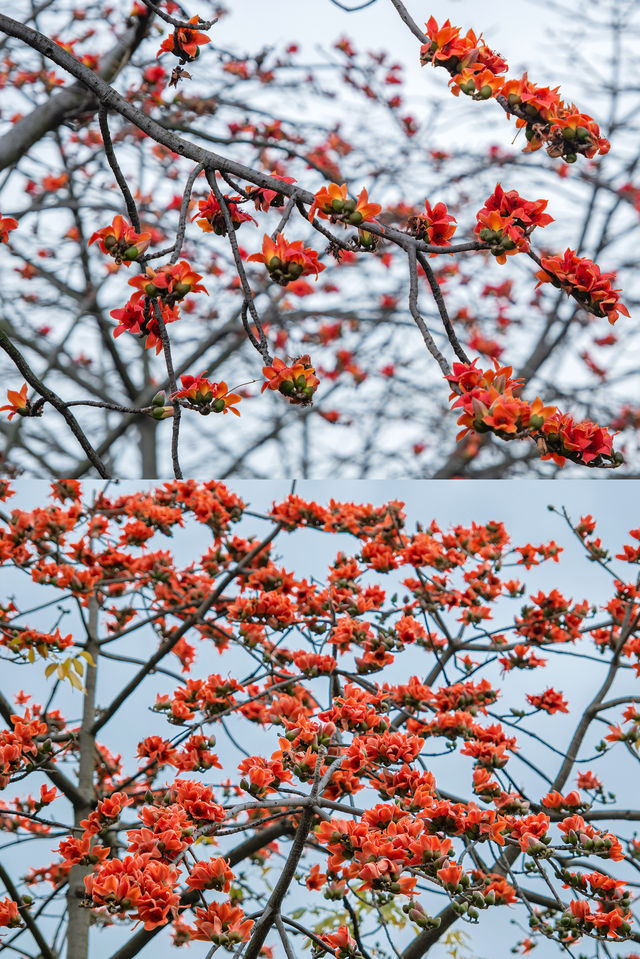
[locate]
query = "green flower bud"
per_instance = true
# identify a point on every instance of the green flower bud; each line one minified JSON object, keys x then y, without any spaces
{"x":337,"y":205}
{"x":274,"y":263}
{"x":485,"y":92}
{"x":571,"y":157}
{"x":151,"y":289}
{"x":583,"y":134}
{"x":131,"y":253}
{"x":296,"y":270}
{"x":158,"y":399}
{"x":286,"y":387}
{"x":356,"y":218}
{"x":218,"y":405}
{"x":349,"y":206}
{"x":569,"y":133}
{"x":514,"y":99}
{"x":181,"y":289}
{"x":110,"y":241}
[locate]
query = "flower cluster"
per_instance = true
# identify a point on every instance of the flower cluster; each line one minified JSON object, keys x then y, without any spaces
{"x":491,"y":403}
{"x":169,"y":284}
{"x":139,"y":319}
{"x":205,"y":396}
{"x":297,"y":382}
{"x":333,"y":203}
{"x":476,"y":71}
{"x":506,"y":221}
{"x":120,"y":241}
{"x":436,"y":225}
{"x":211,"y":218}
{"x":287,"y":261}
{"x":581,"y":278}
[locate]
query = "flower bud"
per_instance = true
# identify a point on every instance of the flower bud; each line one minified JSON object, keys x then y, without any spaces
{"x":349,"y":206}
{"x":158,"y":399}
{"x":110,"y":241}
{"x":161,"y":412}
{"x":181,"y":289}
{"x":286,"y":387}
{"x":218,"y":405}
{"x":337,"y":206}
{"x":131,"y":253}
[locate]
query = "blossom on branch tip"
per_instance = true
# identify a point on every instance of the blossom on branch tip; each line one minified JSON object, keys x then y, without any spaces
{"x":297,"y":382}
{"x":506,"y":221}
{"x":209,"y":397}
{"x":169,"y":284}
{"x":491,"y":403}
{"x":121,"y":241}
{"x":436,"y":226}
{"x":265,"y":198}
{"x":18,"y":402}
{"x":212,"y":218}
{"x":333,"y":203}
{"x":185,"y":42}
{"x":138,"y":318}
{"x":287,"y":261}
{"x":581,"y":278}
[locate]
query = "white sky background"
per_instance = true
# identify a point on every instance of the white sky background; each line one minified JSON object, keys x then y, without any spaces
{"x":522,"y":506}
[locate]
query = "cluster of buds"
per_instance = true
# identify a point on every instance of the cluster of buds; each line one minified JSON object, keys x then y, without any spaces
{"x":205,"y":396}
{"x":287,"y":261}
{"x":334,"y":204}
{"x":120,"y":241}
{"x":211,"y":218}
{"x":297,"y":382}
{"x":159,"y":411}
{"x":416,"y":914}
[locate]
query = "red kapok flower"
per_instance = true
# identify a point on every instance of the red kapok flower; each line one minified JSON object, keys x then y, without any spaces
{"x":7,"y":223}
{"x":18,"y":402}
{"x":333,"y":203}
{"x":297,"y":382}
{"x":170,"y":283}
{"x":435,"y":226}
{"x":212,"y":218}
{"x":184,"y":43}
{"x":287,"y":261}
{"x":581,"y":278}
{"x":133,"y":318}
{"x":201,"y":392}
{"x":121,"y":241}
{"x":265,"y":198}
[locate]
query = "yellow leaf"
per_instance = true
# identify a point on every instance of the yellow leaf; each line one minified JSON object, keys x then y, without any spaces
{"x":43,"y":649}
{"x":88,"y":657}
{"x":78,"y":666}
{"x":74,"y":681}
{"x":31,"y":655}
{"x":51,"y":668}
